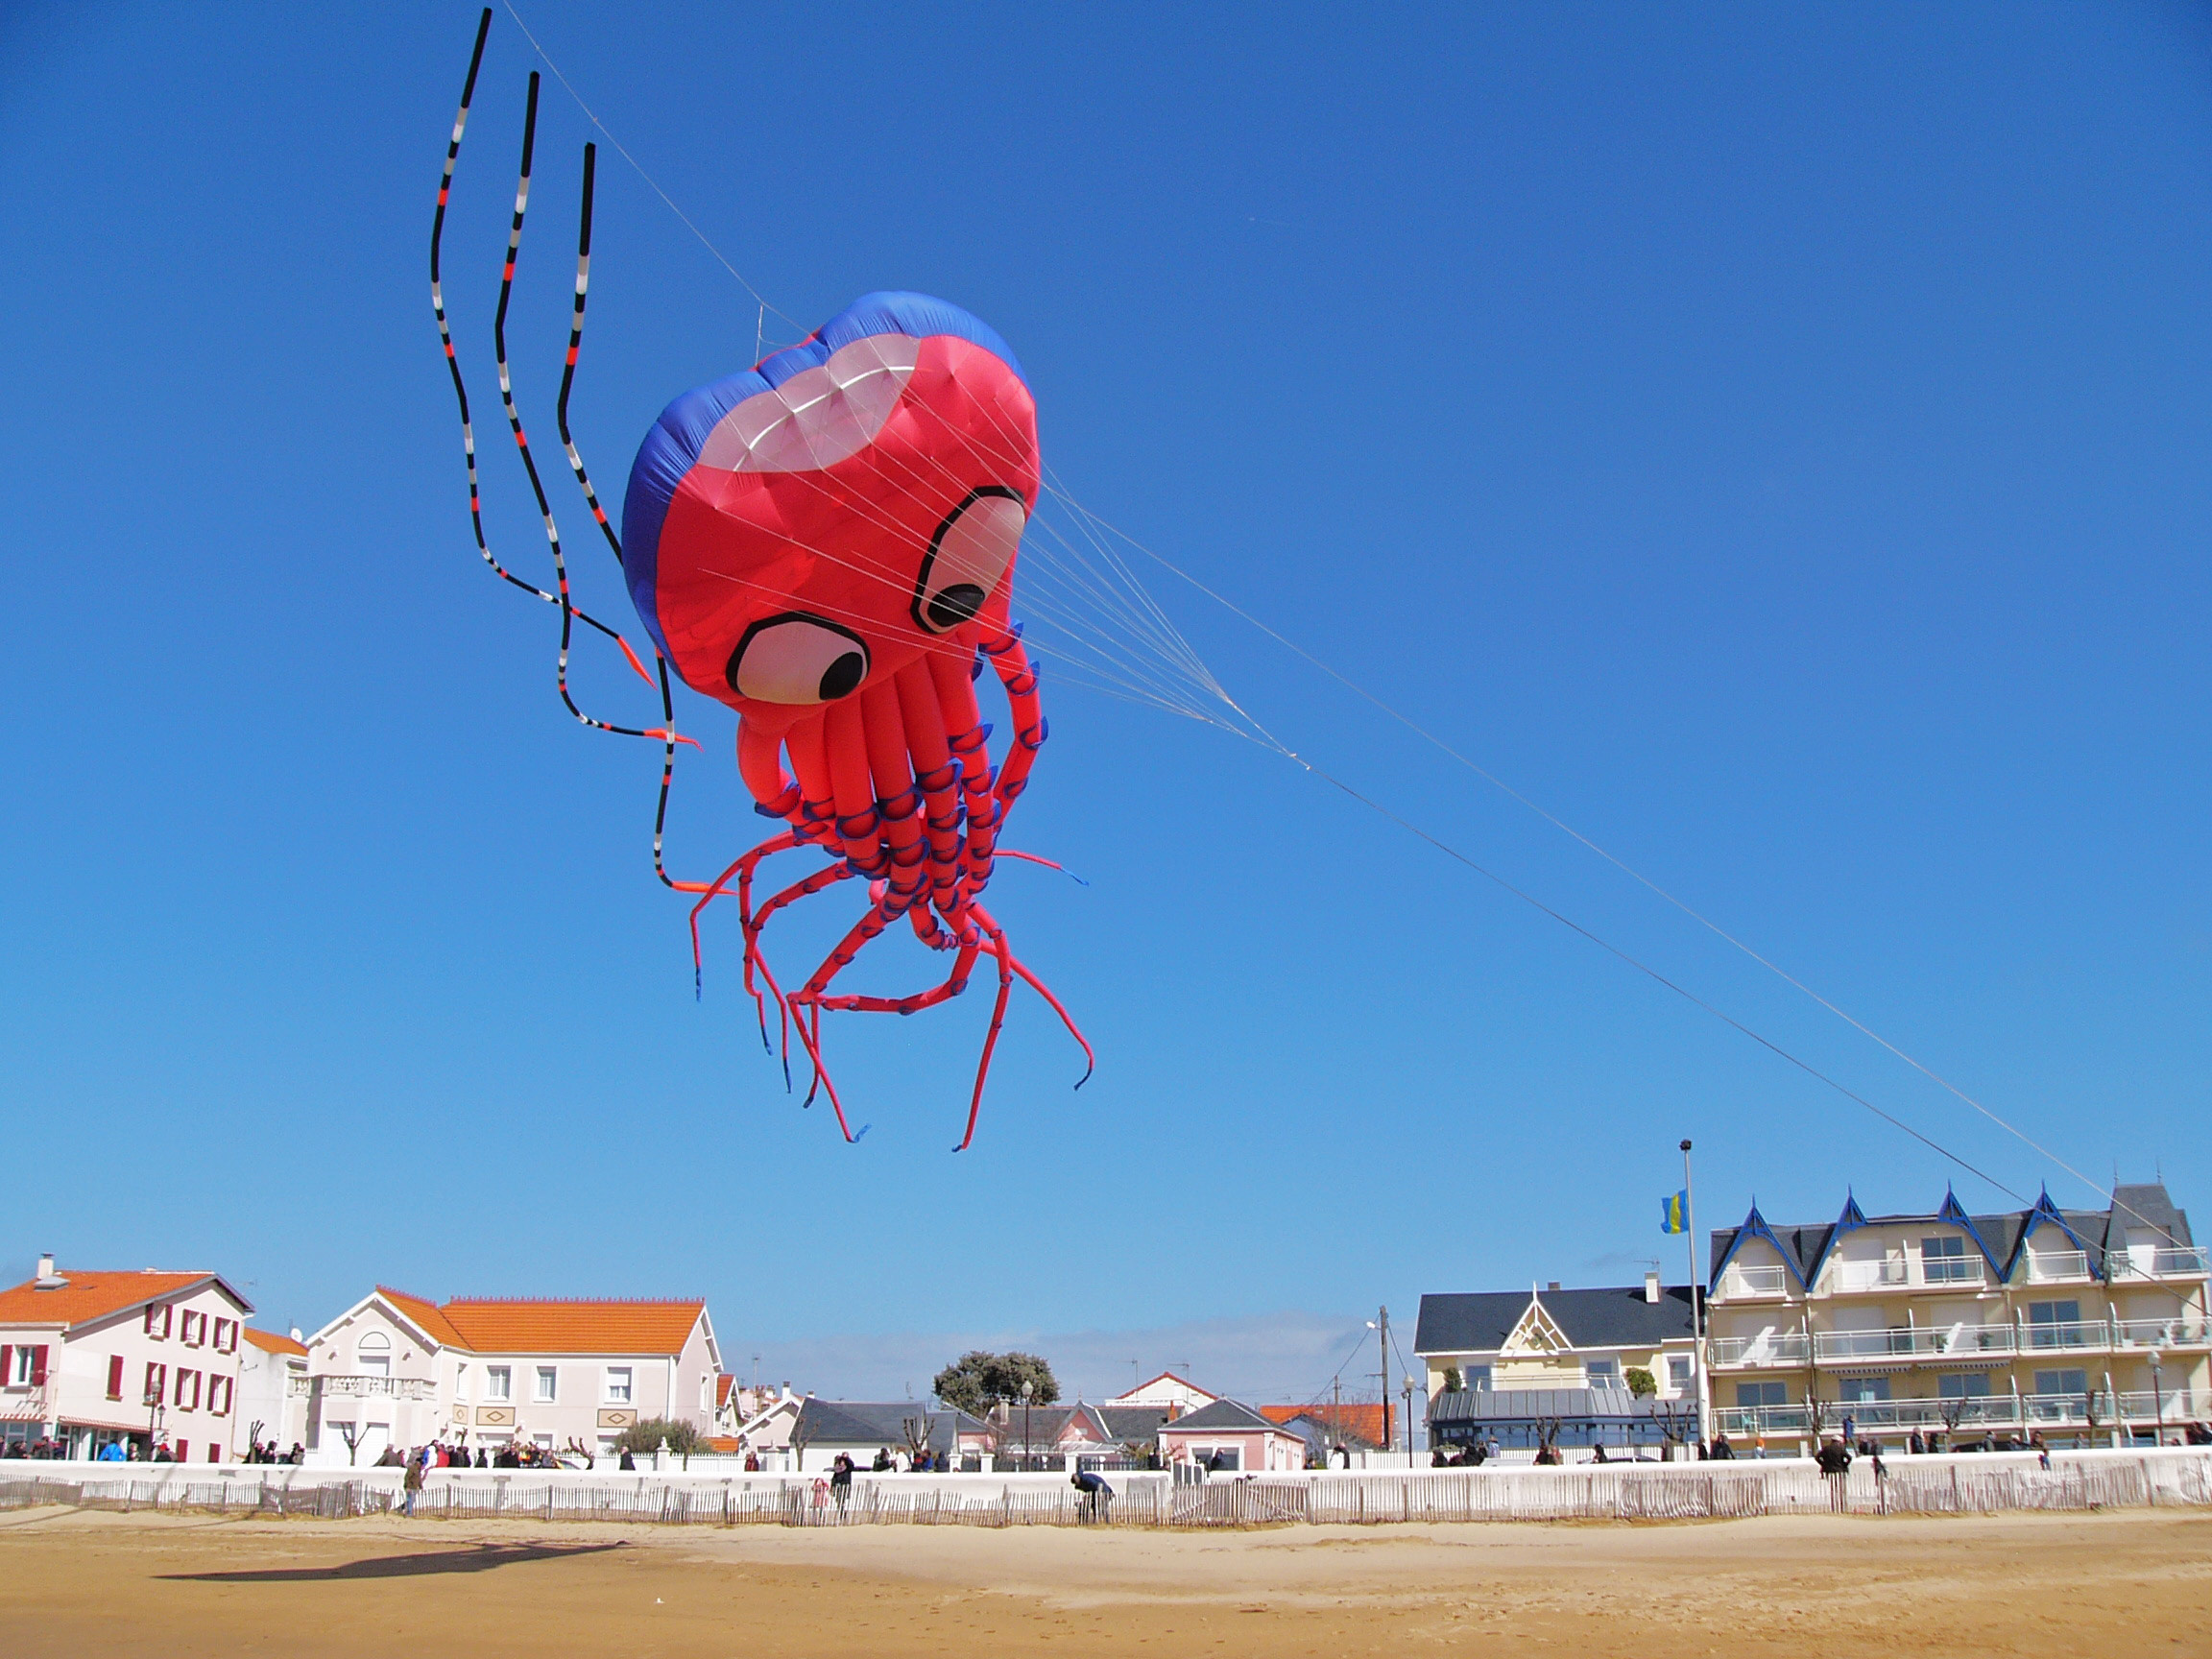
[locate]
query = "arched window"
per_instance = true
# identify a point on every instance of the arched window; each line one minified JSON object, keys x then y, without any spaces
{"x":373,"y":1352}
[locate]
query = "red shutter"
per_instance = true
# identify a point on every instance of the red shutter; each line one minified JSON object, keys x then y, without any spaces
{"x":115,"y":1377}
{"x":184,"y":1449}
{"x":7,"y":1360}
{"x":38,"y":1366}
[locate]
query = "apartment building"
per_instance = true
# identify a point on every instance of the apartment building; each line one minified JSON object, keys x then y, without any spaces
{"x":2088,"y":1327}
{"x":90,"y":1358}
{"x":399,"y":1370}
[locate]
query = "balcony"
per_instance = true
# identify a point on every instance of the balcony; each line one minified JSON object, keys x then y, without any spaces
{"x":1745,"y":1283}
{"x":1748,"y":1422}
{"x":1970,"y":1417}
{"x":2186,"y":1261}
{"x":2066,"y":1335}
{"x":2181,"y":1331}
{"x":1767,"y":1348}
{"x":1911,"y":1342}
{"x":1904,"y":1273}
{"x":2057,"y":1266}
{"x":337,"y":1386}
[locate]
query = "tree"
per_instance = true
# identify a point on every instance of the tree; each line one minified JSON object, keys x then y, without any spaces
{"x":1452,"y":1380}
{"x":351,"y":1433}
{"x":683,"y":1438}
{"x":1641,"y":1382}
{"x":979,"y":1380}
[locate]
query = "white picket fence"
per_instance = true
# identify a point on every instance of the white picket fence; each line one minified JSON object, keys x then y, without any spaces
{"x":1940,"y":1486}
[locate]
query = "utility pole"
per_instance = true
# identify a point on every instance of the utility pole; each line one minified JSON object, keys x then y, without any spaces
{"x":1697,"y":1303}
{"x":1383,"y":1374}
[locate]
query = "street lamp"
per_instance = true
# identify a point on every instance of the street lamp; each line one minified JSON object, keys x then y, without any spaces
{"x":1028,"y":1388}
{"x":2157,"y":1398}
{"x":1409,"y":1421}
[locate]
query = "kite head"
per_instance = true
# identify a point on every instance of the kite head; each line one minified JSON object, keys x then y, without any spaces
{"x":799,"y":532}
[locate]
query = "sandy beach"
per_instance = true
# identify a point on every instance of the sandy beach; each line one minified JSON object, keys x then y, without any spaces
{"x":93,"y":1584}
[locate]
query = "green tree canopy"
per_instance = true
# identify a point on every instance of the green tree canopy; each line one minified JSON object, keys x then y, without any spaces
{"x":1641,"y":1382}
{"x":644,"y":1437}
{"x":977,"y":1381}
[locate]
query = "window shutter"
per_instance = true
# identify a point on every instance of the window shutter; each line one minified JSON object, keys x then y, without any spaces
{"x":153,"y":1318}
{"x":38,"y":1366}
{"x":7,"y":1357}
{"x":115,"y":1377}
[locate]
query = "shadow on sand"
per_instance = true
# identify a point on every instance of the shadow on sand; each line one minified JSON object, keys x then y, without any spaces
{"x":481,"y":1559}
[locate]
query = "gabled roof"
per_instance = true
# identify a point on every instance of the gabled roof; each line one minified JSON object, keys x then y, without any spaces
{"x":609,"y":1326}
{"x":1136,"y":1395}
{"x":724,"y":1383}
{"x":878,"y":1422}
{"x":1610,"y":1317}
{"x":273,"y":1341}
{"x":84,"y":1297}
{"x":425,"y":1315}
{"x":1361,"y":1422}
{"x":1131,"y":1425}
{"x":1222,"y":1417}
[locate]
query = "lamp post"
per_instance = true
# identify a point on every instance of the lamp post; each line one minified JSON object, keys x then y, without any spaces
{"x":1697,"y":1303}
{"x":1028,"y":1388}
{"x":1409,"y":1421}
{"x":2157,"y":1398}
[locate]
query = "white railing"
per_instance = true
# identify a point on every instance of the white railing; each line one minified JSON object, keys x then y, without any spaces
{"x":2176,"y":1406}
{"x":1853,"y":1275}
{"x":354,"y":1386}
{"x":2180,"y":1331}
{"x":1911,"y":1341}
{"x":2054,"y":1266}
{"x":1767,"y":1348}
{"x":1904,"y":1272}
{"x":2066,"y":1333}
{"x":1741,"y":1280}
{"x":2181,"y":1262}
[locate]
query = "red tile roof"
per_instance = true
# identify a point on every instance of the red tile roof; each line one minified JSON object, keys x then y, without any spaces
{"x":488,"y":1326}
{"x":89,"y":1296}
{"x":425,"y":1315}
{"x":723,"y":1384}
{"x":273,"y":1341}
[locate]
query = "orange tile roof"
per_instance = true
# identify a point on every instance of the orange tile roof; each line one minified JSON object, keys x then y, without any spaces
{"x":723,"y":1384}
{"x":489,"y":1326}
{"x":425,"y":1315}
{"x":89,"y":1296}
{"x":273,"y":1341}
{"x":1362,"y":1423}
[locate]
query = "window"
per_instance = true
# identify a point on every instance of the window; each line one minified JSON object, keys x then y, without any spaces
{"x":544,"y":1442}
{"x":2062,"y":1383}
{"x":1964,"y":1385}
{"x":1943,"y":1261}
{"x":1602,"y":1373}
{"x":499,"y":1383}
{"x":219,"y":1392}
{"x":225,"y":1335}
{"x":705,"y":1393}
{"x":193,"y":1328}
{"x":1678,"y":1370}
{"x":1752,"y":1394}
{"x":618,"y":1384}
{"x":115,"y":1377}
{"x":186,"y":1395}
{"x":19,"y":1364}
{"x":1860,"y":1390}
{"x":547,"y":1385}
{"x":2048,"y":1323}
{"x":1479,"y":1379}
{"x":156,"y":1383}
{"x":158,"y":1320}
{"x":373,"y":1354}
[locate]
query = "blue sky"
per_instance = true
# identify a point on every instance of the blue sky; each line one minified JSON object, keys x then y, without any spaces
{"x":1775,"y":441}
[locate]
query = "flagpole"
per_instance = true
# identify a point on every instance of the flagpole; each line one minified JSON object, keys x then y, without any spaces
{"x":1696,"y":1302}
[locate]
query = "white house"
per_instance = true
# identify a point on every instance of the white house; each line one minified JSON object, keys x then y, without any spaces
{"x":89,"y":1359}
{"x":481,"y":1372}
{"x":1167,"y":1393}
{"x":269,"y":1405}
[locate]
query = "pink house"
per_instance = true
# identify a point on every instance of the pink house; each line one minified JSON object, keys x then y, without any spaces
{"x":1226,"y":1435}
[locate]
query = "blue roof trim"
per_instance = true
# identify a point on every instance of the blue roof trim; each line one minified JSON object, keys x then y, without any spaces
{"x":2047,"y":1214}
{"x":1754,"y":1227}
{"x":1850,"y":1222}
{"x":1955,"y":1213}
{"x":671,"y":447}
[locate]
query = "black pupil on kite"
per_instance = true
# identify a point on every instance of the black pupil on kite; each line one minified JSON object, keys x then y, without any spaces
{"x":957,"y":603}
{"x":842,"y":675}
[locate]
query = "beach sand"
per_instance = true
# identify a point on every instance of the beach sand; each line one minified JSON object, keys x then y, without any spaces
{"x":95,"y":1584}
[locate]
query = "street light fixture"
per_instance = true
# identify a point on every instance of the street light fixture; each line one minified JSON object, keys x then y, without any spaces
{"x":1028,"y":1388}
{"x":2157,"y":1398}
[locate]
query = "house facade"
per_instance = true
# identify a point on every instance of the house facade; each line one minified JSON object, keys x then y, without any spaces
{"x":90,"y":1358}
{"x":270,"y":1405}
{"x":1521,"y":1369}
{"x":1227,"y":1435}
{"x":477,"y":1372}
{"x":2087,"y":1327}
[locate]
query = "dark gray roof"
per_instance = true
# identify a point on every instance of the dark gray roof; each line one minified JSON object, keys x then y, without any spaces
{"x":1225,"y":1416}
{"x":877,"y":1423}
{"x":1530,"y":1405}
{"x":1604,"y":1318}
{"x":1133,"y":1425}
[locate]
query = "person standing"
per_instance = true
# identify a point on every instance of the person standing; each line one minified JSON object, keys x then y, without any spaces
{"x":411,"y":1482}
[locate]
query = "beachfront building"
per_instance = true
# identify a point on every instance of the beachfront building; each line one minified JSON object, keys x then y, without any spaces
{"x":2087,"y":1326}
{"x":1525,"y":1368}
{"x":1167,"y":1393}
{"x":271,"y":1408}
{"x":89,"y":1359}
{"x":482,"y":1372}
{"x":1228,"y":1435}
{"x":861,"y":1428}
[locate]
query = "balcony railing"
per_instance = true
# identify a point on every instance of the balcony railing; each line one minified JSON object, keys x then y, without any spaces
{"x":1906,"y":1272}
{"x":1972,"y":1415}
{"x":1741,"y":1282}
{"x":2181,"y":1331}
{"x":1904,"y":1342}
{"x":1767,"y":1348}
{"x":1747,"y":1422}
{"x":2183,"y":1262}
{"x":356,"y":1386}
{"x":2066,"y":1333}
{"x":2057,"y":1266}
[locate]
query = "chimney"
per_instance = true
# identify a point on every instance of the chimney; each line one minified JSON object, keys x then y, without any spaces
{"x":1651,"y":1286}
{"x":45,"y":1267}
{"x":786,"y":1390}
{"x":1552,"y":1285}
{"x":1174,"y":1409}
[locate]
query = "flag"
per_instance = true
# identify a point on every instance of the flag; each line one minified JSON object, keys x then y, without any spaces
{"x":1674,"y":1212}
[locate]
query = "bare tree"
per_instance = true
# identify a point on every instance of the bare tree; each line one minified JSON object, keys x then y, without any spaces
{"x":351,"y":1433}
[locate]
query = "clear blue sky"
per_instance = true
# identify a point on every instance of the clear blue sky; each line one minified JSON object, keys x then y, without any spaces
{"x":1775,"y":441}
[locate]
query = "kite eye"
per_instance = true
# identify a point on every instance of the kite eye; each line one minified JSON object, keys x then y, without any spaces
{"x":797,"y":659}
{"x":967,"y":557}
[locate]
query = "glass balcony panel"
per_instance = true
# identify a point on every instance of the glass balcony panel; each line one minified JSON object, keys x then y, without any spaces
{"x":2057,"y":1266}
